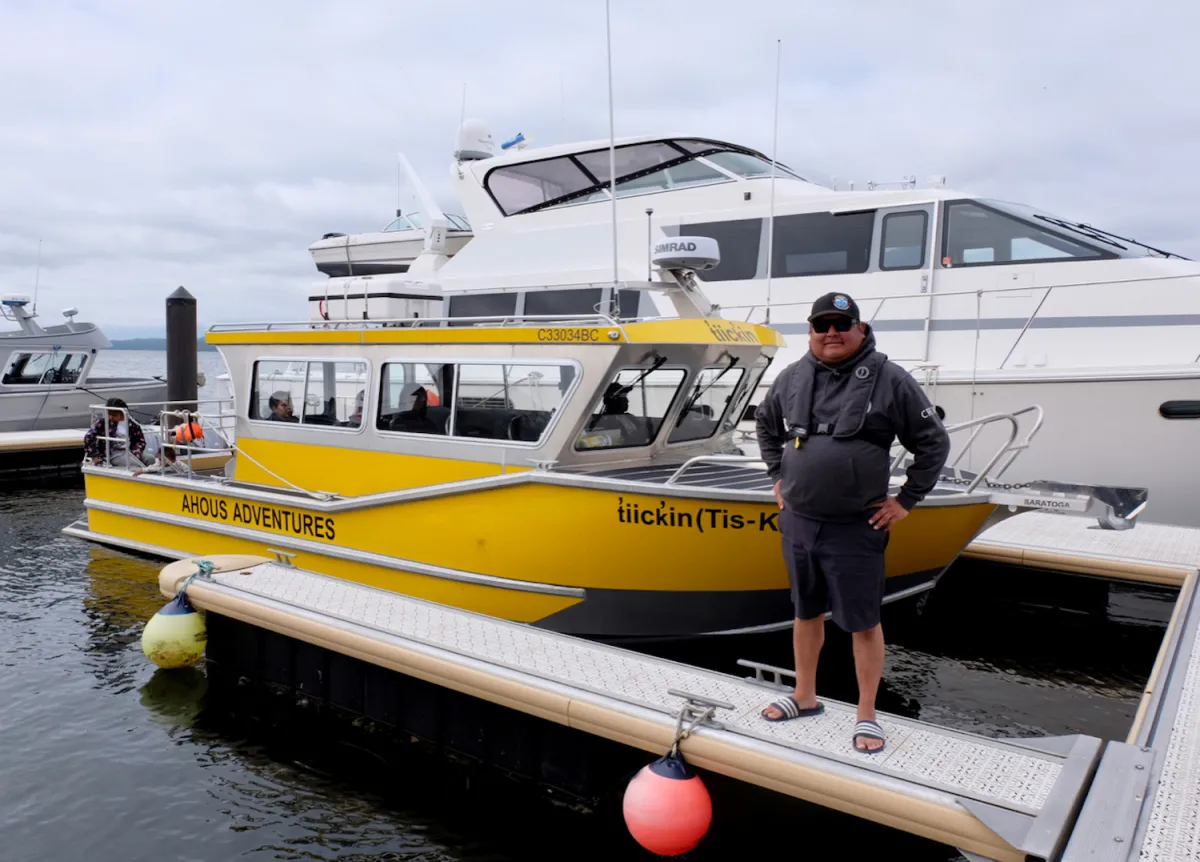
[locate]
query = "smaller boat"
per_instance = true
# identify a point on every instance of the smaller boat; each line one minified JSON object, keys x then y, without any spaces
{"x":388,"y":251}
{"x":47,"y":382}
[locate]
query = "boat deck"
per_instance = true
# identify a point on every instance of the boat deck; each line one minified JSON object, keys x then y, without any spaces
{"x":1153,"y":553}
{"x":1001,"y":799}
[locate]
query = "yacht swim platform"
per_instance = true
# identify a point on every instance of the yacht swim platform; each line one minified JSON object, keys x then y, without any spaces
{"x":992,"y":798}
{"x":1150,"y":553}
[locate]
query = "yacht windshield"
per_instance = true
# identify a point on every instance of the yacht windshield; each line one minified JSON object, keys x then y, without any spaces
{"x":646,"y":167}
{"x":1110,"y":242}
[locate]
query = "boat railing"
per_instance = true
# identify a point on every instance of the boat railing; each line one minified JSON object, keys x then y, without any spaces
{"x":505,"y":320}
{"x":1001,"y":458}
{"x":163,"y":429}
{"x":878,"y":303}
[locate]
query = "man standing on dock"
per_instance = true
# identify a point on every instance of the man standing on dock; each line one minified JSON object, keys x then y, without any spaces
{"x":825,"y":430}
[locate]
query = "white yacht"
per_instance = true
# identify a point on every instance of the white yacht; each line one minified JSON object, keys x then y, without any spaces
{"x":385,"y":252}
{"x":993,"y":305}
{"x":47,"y":382}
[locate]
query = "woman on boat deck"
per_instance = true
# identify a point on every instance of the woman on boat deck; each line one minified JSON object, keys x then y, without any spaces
{"x":125,"y":441}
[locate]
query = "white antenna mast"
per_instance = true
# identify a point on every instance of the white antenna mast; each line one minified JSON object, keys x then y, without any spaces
{"x":774,"y":156}
{"x":37,"y":276}
{"x":612,"y":149}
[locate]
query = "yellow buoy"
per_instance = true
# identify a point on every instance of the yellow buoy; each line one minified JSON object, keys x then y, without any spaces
{"x":175,"y":636}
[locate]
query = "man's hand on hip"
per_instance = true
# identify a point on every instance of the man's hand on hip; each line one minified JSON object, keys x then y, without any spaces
{"x":778,"y":496}
{"x":888,"y":513}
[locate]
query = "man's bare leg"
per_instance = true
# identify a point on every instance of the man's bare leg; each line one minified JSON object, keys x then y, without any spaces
{"x":808,"y":636}
{"x":868,"y":667}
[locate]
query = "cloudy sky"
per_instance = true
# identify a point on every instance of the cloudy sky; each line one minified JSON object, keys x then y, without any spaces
{"x":149,"y":145}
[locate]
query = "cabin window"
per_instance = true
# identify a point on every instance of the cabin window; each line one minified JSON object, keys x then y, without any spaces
{"x":481,"y":305}
{"x":629,"y":160}
{"x":508,"y":402}
{"x":26,"y":369}
{"x":401,"y":223}
{"x":631,"y":411}
{"x":328,"y":393}
{"x":707,"y":403}
{"x":679,"y":176}
{"x":822,"y":244}
{"x":412,"y":397}
{"x":563,"y":302}
{"x":334,"y":394}
{"x":904,"y":240}
{"x":738,"y":242}
{"x":977,"y":235}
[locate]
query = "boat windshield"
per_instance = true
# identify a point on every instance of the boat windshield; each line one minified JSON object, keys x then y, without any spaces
{"x":632,"y":409}
{"x":413,"y":221}
{"x":1106,"y":240}
{"x":653,"y":166}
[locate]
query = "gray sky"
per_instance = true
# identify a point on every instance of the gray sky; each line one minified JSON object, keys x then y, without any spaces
{"x":150,"y":145}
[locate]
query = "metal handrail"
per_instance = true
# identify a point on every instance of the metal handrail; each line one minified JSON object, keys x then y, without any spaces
{"x":1010,"y":447}
{"x":420,"y":322}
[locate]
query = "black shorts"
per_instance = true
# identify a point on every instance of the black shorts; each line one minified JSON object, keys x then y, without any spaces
{"x":835,"y":566}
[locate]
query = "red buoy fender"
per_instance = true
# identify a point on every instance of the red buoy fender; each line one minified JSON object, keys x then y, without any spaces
{"x":667,"y":807}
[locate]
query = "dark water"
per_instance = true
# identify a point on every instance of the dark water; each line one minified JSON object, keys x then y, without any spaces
{"x":104,"y":758}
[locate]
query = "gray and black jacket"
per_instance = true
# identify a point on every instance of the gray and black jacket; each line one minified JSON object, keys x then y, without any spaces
{"x":825,"y":431}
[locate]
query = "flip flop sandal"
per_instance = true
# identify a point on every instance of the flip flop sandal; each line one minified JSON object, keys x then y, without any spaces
{"x":869,"y":730}
{"x":789,"y":709}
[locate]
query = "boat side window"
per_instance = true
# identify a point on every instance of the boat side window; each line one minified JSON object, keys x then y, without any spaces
{"x":904,"y":240}
{"x":584,"y":301}
{"x":739,"y":243}
{"x":401,"y":223}
{"x":277,"y":390}
{"x":334,"y":394}
{"x":822,"y":244}
{"x":631,"y":410}
{"x":707,"y":404}
{"x":29,"y":369}
{"x":692,"y":173}
{"x":481,"y":305}
{"x":508,"y":402}
{"x":976,"y":235}
{"x":411,"y":398}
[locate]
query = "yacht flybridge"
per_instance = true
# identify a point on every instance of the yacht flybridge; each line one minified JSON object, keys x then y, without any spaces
{"x":993,"y":305}
{"x":47,"y":380}
{"x":462,"y":459}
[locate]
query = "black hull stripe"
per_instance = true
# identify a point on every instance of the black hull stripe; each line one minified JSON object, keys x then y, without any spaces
{"x":341,"y":270}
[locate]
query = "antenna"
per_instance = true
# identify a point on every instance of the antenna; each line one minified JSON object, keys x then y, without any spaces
{"x":37,"y":276}
{"x":562,"y":104}
{"x":649,"y":242}
{"x":774,"y":156}
{"x":462,"y":115}
{"x":612,"y":149}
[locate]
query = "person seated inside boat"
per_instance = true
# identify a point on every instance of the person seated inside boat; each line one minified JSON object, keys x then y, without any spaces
{"x":356,"y":417}
{"x":167,"y":462}
{"x":281,"y":407}
{"x":424,"y":417}
{"x":117,"y":442}
{"x":615,"y":419}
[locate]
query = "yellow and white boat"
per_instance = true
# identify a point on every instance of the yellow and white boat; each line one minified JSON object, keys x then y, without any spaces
{"x":576,"y":472}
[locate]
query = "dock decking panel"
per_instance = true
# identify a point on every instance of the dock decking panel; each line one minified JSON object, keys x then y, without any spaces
{"x":1004,"y":773}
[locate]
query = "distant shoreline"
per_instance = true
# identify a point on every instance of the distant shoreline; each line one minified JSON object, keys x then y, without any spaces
{"x":155,"y":344}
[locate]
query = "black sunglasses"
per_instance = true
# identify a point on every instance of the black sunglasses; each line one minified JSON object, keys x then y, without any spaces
{"x":838,"y":322}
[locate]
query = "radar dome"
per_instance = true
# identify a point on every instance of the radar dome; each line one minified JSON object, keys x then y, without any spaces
{"x":474,"y":141}
{"x":687,"y":252}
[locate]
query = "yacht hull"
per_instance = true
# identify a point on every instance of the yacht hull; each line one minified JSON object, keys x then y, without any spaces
{"x":42,"y":408}
{"x":597,"y":559}
{"x":1096,"y":432}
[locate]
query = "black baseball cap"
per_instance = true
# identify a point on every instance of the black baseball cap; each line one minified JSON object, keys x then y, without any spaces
{"x":834,"y":303}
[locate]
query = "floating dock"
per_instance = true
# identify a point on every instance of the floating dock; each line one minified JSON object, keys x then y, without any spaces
{"x":1149,"y":553}
{"x":25,"y":454}
{"x":1002,"y":799}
